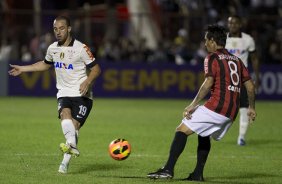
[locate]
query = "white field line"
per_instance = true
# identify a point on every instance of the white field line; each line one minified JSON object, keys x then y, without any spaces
{"x":133,"y":155}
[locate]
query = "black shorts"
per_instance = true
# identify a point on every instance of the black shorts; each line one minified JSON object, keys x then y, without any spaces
{"x":80,"y":107}
{"x":244,"y":101}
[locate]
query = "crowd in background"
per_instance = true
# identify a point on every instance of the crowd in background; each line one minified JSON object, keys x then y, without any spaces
{"x":180,"y":44}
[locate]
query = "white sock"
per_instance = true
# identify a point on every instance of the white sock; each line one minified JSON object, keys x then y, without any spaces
{"x":69,"y":131}
{"x":66,"y":159}
{"x":244,"y":122}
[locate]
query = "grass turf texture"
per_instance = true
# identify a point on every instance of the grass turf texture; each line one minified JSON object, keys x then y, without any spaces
{"x":31,"y":133}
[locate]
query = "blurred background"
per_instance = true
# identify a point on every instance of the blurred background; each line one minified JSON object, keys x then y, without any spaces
{"x":146,"y":48}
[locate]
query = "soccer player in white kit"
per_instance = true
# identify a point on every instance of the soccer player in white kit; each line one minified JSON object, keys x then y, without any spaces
{"x":76,"y":71}
{"x":242,"y":45}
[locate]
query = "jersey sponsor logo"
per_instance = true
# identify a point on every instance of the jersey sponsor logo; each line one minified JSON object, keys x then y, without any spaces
{"x":58,"y":64}
{"x":236,"y":52}
{"x":234,"y":88}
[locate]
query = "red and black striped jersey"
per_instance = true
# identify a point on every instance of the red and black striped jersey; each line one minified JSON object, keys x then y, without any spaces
{"x":229,"y":74}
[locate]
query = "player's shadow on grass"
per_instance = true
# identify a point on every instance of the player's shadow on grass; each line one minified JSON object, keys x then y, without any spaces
{"x":253,"y":142}
{"x":96,"y":167}
{"x":142,"y":179}
{"x":234,"y":179}
{"x":225,"y":179}
{"x":265,"y":142}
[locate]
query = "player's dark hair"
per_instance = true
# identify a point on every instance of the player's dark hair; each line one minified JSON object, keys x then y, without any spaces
{"x":236,"y":17}
{"x":217,"y":33}
{"x":65,"y":19}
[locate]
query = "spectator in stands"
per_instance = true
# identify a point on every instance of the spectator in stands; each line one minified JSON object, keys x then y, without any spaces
{"x":181,"y":51}
{"x":5,"y":50}
{"x":25,"y":54}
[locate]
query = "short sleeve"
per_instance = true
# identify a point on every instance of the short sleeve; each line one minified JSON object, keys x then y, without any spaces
{"x":48,"y":56}
{"x":252,"y":45}
{"x":87,"y":55}
{"x":209,"y":66}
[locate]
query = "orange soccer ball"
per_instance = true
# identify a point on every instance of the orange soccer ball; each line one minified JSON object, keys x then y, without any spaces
{"x":119,"y":149}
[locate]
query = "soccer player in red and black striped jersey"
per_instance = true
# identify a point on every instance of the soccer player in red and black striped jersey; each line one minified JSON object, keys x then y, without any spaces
{"x":224,"y":76}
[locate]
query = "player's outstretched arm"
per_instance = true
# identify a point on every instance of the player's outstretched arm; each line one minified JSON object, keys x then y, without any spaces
{"x":17,"y":69}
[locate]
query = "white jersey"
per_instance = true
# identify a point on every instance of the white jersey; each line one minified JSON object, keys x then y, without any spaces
{"x":241,"y":46}
{"x":70,"y":66}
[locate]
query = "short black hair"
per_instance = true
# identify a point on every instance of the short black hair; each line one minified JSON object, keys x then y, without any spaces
{"x":236,"y":17}
{"x":61,"y":17}
{"x":217,"y":33}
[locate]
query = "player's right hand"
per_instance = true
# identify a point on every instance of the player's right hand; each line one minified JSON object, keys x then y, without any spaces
{"x":15,"y":71}
{"x":188,"y":111}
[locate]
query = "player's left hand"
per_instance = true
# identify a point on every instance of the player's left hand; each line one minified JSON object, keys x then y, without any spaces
{"x":84,"y":87}
{"x":252,"y":115}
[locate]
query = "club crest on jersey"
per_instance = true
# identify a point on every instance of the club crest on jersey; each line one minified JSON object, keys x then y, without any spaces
{"x":62,"y":55}
{"x":58,"y":64}
{"x":234,"y":44}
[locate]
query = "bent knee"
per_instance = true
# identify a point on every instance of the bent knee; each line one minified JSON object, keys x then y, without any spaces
{"x":65,"y":114}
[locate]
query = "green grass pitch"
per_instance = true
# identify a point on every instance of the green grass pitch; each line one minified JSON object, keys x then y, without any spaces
{"x":30,"y":135}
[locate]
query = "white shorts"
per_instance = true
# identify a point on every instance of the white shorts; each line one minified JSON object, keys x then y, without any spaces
{"x":205,"y":122}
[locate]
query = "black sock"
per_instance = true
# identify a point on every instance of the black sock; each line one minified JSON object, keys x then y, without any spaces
{"x":176,"y":148}
{"x":203,"y":150}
